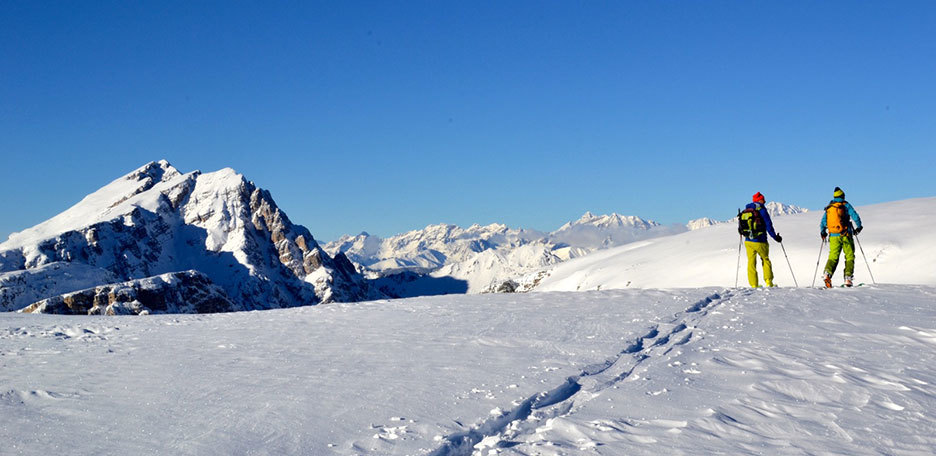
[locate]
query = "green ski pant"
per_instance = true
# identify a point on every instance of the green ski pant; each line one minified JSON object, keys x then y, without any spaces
{"x":753,"y":250}
{"x":837,"y":244}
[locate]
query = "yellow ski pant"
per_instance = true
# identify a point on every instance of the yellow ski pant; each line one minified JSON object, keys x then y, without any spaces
{"x":753,"y":250}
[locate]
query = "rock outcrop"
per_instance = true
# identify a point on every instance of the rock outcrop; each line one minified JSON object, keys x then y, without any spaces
{"x":177,"y":292}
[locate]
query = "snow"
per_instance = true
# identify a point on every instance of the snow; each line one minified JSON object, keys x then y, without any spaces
{"x":108,"y":202}
{"x":21,"y":288}
{"x":654,"y":349}
{"x":897,"y":249}
{"x":481,"y":258}
{"x":691,"y":371}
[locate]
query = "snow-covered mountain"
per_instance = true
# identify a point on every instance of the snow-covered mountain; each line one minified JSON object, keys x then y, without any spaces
{"x":896,"y":250}
{"x":430,"y":248}
{"x":594,"y":232}
{"x":156,"y":221}
{"x":774,"y":208}
{"x":479,"y":258}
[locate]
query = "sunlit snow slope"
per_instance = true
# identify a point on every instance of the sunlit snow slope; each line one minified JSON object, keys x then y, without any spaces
{"x":619,"y":372}
{"x":897,"y":241}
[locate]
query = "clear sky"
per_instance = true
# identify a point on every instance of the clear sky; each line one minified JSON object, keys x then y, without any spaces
{"x":388,"y":116}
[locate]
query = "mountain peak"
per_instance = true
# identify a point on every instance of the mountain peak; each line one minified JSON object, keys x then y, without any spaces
{"x":777,"y":208}
{"x":156,"y":220}
{"x":154,"y":172}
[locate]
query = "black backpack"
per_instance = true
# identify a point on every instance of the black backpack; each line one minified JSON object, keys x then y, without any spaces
{"x":750,"y":223}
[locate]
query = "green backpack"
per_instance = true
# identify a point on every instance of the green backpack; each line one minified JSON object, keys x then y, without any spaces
{"x":750,"y":223}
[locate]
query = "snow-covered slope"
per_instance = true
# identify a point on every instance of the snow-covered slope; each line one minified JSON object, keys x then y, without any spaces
{"x":897,"y":249}
{"x":619,"y":372}
{"x":157,"y":220}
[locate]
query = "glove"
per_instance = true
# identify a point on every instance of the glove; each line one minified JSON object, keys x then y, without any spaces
{"x":823,"y":234}
{"x":858,"y":230}
{"x":779,"y":238}
{"x":740,"y":231}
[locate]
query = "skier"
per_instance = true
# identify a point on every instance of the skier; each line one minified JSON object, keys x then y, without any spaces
{"x":837,"y":218}
{"x":754,"y":224}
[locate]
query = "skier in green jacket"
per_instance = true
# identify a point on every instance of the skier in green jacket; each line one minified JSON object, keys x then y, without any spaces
{"x":837,"y":218}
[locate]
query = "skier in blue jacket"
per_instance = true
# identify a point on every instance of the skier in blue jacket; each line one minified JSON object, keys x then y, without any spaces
{"x":837,"y":219}
{"x":755,"y":238}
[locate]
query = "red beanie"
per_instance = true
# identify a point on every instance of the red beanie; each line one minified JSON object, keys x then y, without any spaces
{"x":758,"y":198}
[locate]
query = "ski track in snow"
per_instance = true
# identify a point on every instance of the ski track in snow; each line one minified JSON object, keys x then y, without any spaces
{"x":499,"y":430}
{"x":739,"y":371}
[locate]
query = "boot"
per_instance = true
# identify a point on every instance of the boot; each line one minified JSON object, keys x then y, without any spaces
{"x":827,"y":278}
{"x":848,"y":281}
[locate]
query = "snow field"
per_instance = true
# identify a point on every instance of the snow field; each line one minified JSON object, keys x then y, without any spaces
{"x":896,"y":246}
{"x":692,"y":371}
{"x":388,"y":377}
{"x":769,"y":372}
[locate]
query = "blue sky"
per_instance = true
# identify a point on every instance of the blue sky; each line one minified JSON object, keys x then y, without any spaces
{"x":389,"y":116}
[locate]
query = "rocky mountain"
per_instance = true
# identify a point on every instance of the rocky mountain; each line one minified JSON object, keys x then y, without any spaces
{"x":447,"y":258}
{"x":175,"y":292}
{"x":157,"y":221}
{"x":436,"y":246}
{"x":430,"y":248}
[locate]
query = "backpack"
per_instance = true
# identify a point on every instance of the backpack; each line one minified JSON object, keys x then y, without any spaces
{"x":837,"y":219}
{"x":750,"y":222}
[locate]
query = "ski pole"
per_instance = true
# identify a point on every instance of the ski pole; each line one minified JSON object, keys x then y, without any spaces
{"x":865,"y":259}
{"x":738,"y":267}
{"x":788,"y":263}
{"x":821,"y":245}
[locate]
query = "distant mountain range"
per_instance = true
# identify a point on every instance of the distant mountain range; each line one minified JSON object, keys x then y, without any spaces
{"x":482,"y":258}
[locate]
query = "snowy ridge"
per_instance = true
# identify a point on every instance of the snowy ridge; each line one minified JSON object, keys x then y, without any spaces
{"x":157,"y":220}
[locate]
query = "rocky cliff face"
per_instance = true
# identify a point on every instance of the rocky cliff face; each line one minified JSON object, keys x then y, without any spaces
{"x":157,"y":220}
{"x":177,"y":292}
